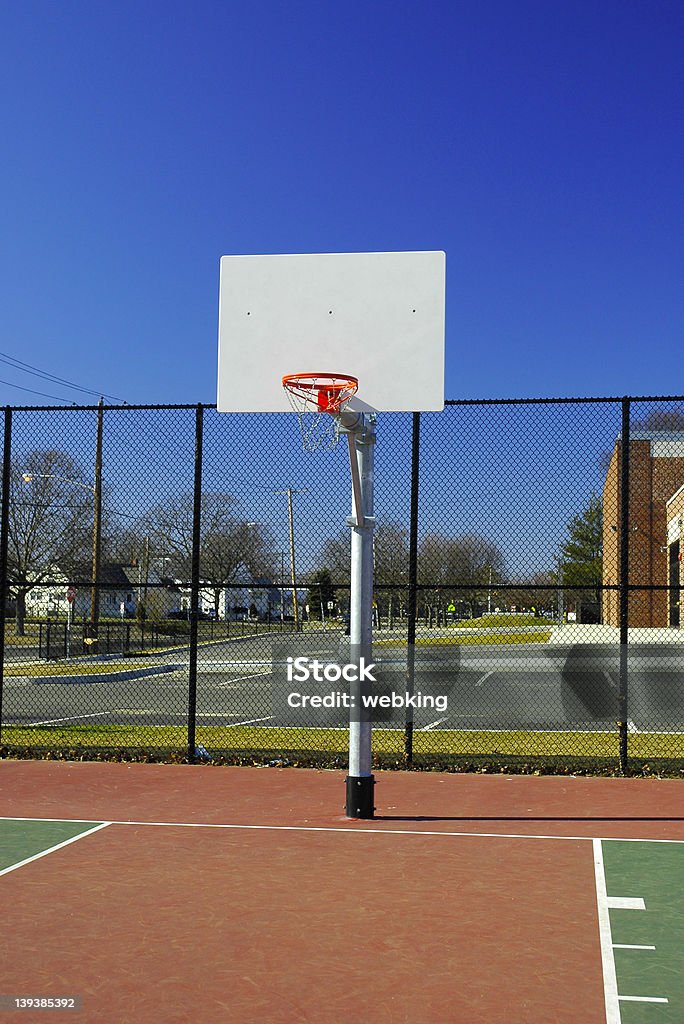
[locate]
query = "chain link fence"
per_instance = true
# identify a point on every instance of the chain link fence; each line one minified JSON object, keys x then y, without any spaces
{"x":170,"y":574}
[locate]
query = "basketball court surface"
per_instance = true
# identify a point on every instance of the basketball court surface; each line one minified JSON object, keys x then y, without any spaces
{"x":182,"y":893}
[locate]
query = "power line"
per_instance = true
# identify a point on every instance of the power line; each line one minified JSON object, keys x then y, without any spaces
{"x":29,"y":368}
{"x":43,"y":394}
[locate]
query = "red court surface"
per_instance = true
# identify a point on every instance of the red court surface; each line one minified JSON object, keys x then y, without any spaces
{"x":468,"y":899}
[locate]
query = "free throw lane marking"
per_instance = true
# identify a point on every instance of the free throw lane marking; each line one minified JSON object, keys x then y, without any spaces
{"x":610,"y":991}
{"x":50,"y":849}
{"x":643,"y":999}
{"x":629,"y":945}
{"x":626,"y":903}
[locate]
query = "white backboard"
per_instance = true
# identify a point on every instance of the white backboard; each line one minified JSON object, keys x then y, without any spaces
{"x":378,"y":316}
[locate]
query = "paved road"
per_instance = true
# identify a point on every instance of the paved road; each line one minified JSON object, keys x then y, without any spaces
{"x":531,"y":686}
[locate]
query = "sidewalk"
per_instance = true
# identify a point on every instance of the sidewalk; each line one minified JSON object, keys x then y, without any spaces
{"x":585,"y":633}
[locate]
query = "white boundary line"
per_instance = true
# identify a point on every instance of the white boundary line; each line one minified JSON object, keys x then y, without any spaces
{"x":54,"y":721}
{"x":432,"y":725}
{"x":52,"y":849}
{"x":240,"y":679}
{"x":607,"y":959}
{"x":349,"y":829}
{"x":251,"y":721}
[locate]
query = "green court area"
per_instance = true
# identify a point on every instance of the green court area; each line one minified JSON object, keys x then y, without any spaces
{"x":21,"y":840}
{"x":652,"y":872}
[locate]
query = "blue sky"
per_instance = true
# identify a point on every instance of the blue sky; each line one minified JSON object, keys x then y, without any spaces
{"x":539,"y":143}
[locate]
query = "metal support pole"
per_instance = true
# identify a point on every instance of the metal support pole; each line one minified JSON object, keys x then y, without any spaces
{"x":4,"y":537}
{"x":360,"y":781}
{"x":623,"y":711}
{"x":412,"y":603}
{"x":194,"y":586}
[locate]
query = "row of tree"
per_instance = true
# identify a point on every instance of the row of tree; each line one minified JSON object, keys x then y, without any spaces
{"x":51,"y":526}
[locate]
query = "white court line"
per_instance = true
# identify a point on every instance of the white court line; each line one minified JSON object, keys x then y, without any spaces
{"x":251,"y":721}
{"x":254,"y":675}
{"x":485,"y":676}
{"x":629,"y":945}
{"x":610,"y":990}
{"x":643,"y":999}
{"x":348,"y":829}
{"x":238,"y":664}
{"x":51,"y":849}
{"x":626,"y":903}
{"x":433,"y":725}
{"x":55,"y":721}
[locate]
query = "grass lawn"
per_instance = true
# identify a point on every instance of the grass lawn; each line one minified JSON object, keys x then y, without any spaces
{"x":462,"y":639}
{"x":385,"y":741}
{"x":489,"y":621}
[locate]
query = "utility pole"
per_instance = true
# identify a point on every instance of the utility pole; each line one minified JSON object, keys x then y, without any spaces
{"x":97,"y":525}
{"x":282,"y":588}
{"x":561,"y":595}
{"x":289,"y":491}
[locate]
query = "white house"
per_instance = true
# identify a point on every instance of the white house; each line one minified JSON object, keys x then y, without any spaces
{"x":247,"y":598}
{"x":122,"y":587}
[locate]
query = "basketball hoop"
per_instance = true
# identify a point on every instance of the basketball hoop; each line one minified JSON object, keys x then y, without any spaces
{"x":318,"y":399}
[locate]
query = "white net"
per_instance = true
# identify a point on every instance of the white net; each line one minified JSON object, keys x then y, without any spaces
{"x":318,"y":400}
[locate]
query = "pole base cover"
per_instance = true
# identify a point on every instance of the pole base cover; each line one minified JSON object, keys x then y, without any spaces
{"x":360,"y":796}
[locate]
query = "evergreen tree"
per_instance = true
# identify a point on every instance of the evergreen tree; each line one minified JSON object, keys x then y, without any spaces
{"x":581,"y":554}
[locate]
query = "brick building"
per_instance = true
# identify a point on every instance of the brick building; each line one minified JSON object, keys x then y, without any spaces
{"x":656,"y":472}
{"x":675,"y":549}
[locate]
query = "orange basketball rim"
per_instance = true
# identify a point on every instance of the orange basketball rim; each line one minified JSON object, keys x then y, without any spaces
{"x":326,"y":392}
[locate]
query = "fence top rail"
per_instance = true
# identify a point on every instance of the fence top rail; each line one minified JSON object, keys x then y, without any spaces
{"x":614,"y":400}
{"x":611,"y":399}
{"x":118,"y":407}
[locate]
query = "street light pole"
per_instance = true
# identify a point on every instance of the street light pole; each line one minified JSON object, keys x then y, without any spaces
{"x":282,"y":588}
{"x":289,"y":491}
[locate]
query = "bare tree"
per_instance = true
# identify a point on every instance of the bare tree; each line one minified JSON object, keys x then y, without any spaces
{"x":460,"y":568}
{"x":50,"y":522}
{"x":231,"y":549}
{"x":390,"y":561}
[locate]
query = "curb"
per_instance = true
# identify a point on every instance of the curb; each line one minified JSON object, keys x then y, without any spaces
{"x":98,"y":677}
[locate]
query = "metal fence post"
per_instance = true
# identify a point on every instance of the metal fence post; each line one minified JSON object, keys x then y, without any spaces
{"x":4,"y":536}
{"x":97,"y":527}
{"x":623,"y":693}
{"x":194,"y":586}
{"x":412,"y":597}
